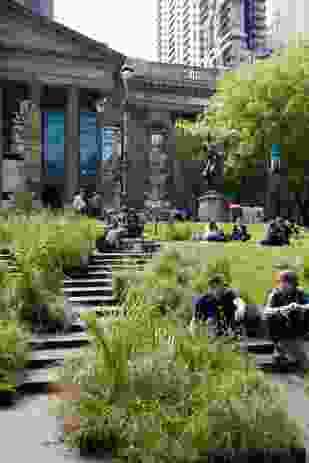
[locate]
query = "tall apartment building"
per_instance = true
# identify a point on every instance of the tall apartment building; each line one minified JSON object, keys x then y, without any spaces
{"x":42,"y":7}
{"x":210,"y":32}
{"x":178,"y":31}
{"x":287,"y":19}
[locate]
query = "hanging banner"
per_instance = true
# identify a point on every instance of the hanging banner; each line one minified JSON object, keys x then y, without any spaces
{"x":89,"y":150}
{"x":110,"y":146}
{"x":275,"y":152}
{"x":53,"y":142}
{"x":36,"y":141}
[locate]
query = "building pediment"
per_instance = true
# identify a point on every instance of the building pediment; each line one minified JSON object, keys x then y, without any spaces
{"x":20,"y":29}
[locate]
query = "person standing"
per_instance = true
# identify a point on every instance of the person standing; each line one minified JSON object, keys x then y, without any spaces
{"x":95,"y":205}
{"x":79,"y":202}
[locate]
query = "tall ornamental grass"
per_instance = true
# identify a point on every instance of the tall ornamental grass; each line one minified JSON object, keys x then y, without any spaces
{"x":44,"y":246}
{"x":145,"y":399}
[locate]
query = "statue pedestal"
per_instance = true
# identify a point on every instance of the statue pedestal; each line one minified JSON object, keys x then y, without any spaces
{"x":212,"y":207}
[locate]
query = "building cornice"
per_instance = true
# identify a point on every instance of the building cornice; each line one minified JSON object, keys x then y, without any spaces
{"x":13,"y":14}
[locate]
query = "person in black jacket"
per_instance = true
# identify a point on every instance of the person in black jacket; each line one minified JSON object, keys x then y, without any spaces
{"x":287,"y":315}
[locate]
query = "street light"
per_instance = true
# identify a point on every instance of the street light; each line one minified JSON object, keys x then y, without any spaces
{"x":126,"y":72}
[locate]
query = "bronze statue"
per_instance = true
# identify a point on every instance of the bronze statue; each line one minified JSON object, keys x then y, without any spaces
{"x":211,"y":166}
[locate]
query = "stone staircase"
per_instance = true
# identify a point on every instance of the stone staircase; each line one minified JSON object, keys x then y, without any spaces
{"x":86,"y":292}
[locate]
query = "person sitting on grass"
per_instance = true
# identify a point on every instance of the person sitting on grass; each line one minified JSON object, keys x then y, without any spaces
{"x":217,"y":308}
{"x":236,"y":233}
{"x":214,"y":233}
{"x":274,"y":236}
{"x":287,"y":317}
{"x":245,"y":236}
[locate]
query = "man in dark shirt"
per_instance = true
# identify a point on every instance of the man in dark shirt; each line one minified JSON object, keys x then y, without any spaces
{"x":217,"y":307}
{"x":287,"y":316}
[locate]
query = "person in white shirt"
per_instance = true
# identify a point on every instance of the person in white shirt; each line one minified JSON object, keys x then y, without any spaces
{"x":79,"y":202}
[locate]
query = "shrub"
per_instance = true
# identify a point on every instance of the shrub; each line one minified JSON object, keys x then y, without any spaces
{"x":43,"y":245}
{"x":14,"y":350}
{"x":143,"y":398}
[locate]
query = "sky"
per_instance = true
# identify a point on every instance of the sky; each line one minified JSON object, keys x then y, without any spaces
{"x":128,"y":26}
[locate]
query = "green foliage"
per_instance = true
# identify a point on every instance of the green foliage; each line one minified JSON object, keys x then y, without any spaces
{"x":24,"y":202}
{"x":14,"y":351}
{"x":145,"y":399}
{"x":43,"y":244}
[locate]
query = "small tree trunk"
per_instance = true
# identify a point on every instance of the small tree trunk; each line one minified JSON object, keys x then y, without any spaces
{"x":303,"y":207}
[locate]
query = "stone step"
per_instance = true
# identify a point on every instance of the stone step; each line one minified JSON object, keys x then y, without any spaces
{"x":94,"y":274}
{"x":78,"y":326}
{"x":59,"y":341}
{"x":88,"y":291}
{"x":99,"y":299}
{"x":38,"y":380}
{"x":43,"y":357}
{"x":113,"y":267}
{"x":119,"y":260}
{"x":88,"y":281}
{"x":257,"y":346}
{"x":112,"y":255}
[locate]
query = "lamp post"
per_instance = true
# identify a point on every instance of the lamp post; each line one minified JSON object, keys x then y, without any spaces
{"x":126,"y":73}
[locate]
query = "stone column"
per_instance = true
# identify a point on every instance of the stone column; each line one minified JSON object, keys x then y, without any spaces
{"x":71,"y":145}
{"x":1,"y":142}
{"x":33,"y":156}
{"x":172,"y":161}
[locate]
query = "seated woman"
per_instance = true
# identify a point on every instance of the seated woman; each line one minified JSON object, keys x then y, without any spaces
{"x":214,"y":233}
{"x":274,"y":236}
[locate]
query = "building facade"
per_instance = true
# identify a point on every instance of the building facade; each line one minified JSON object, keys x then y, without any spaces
{"x":210,"y":32}
{"x":62,"y":115}
{"x":287,"y":19}
{"x":41,"y":7}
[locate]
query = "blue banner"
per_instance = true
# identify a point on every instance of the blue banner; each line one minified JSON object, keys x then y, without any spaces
{"x":53,"y":136}
{"x":107,"y":143}
{"x":275,"y":152}
{"x":89,"y":150}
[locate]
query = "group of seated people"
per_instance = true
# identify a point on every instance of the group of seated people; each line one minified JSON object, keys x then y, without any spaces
{"x":284,"y":319}
{"x":214,"y":233}
{"x":279,"y":232}
{"x":125,"y":225}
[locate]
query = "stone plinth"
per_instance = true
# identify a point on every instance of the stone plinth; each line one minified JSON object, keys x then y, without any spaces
{"x":212,"y":207}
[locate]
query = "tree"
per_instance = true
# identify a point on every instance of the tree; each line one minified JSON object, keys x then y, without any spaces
{"x":260,"y":105}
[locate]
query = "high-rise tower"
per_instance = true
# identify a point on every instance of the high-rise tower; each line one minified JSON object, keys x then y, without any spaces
{"x":210,"y":32}
{"x":41,"y":7}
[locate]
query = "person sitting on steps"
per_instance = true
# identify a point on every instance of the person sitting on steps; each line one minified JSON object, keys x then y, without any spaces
{"x":112,"y":239}
{"x":217,"y":308}
{"x":287,"y":318}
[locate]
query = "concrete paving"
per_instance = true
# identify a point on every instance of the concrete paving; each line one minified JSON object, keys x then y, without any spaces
{"x":30,"y":431}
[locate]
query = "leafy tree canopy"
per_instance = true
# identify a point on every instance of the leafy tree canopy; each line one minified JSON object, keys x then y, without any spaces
{"x":253,"y":108}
